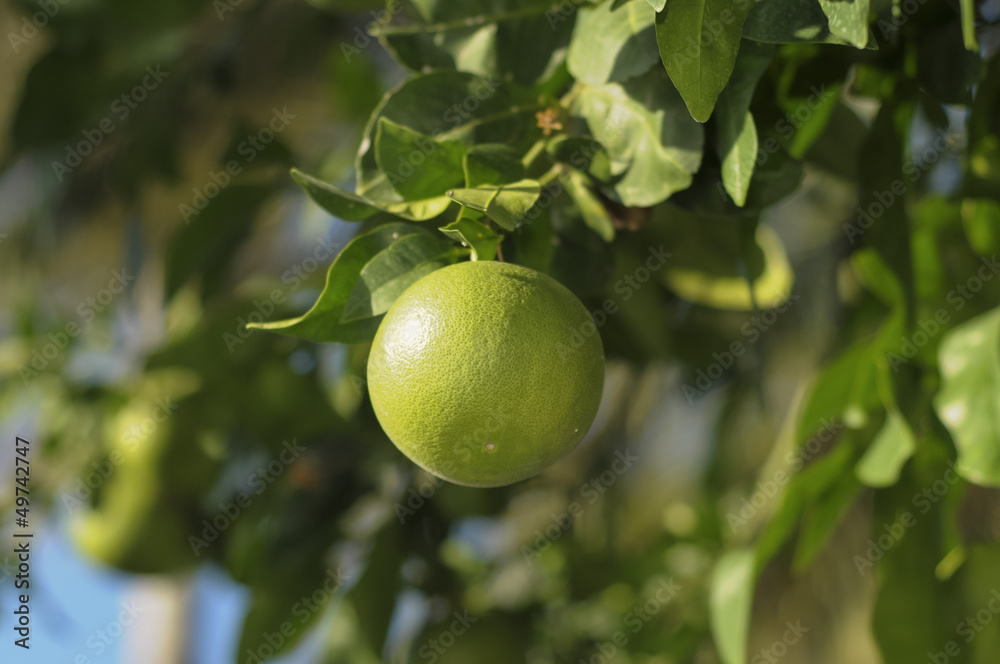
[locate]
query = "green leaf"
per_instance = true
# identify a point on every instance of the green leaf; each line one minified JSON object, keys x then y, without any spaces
{"x":883,"y":460}
{"x":351,"y":207}
{"x":417,"y":166}
{"x":657,"y":5}
{"x":585,"y":154}
{"x":475,"y":235}
{"x":981,"y":219}
{"x":736,"y":142}
{"x":969,"y":401}
{"x":698,"y":42}
{"x":595,"y":215}
{"x":730,"y":602}
{"x":323,"y":322}
{"x":520,"y":40}
{"x":848,"y":19}
{"x":492,"y":164}
{"x":612,"y":44}
{"x":448,"y":105}
{"x":780,"y":22}
{"x":504,"y":204}
{"x":393,"y":270}
{"x":653,"y":144}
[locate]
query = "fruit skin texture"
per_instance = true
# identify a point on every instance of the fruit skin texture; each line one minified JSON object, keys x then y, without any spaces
{"x":474,"y":374}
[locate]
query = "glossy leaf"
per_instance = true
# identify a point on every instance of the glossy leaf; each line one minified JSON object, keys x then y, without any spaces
{"x":653,"y":144}
{"x":698,"y":42}
{"x":417,"y":166}
{"x":478,"y":237}
{"x":504,"y":204}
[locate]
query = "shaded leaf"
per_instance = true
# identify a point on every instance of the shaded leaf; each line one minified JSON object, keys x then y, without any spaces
{"x":736,"y":141}
{"x":778,"y":22}
{"x":417,"y":166}
{"x":595,"y":215}
{"x":698,"y":42}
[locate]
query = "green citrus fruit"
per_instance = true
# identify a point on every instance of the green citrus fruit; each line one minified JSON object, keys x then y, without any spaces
{"x":485,"y":373}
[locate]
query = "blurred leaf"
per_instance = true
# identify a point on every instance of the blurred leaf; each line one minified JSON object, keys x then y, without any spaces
{"x":883,"y":460}
{"x":417,"y":166}
{"x":374,"y":594}
{"x":324,"y":321}
{"x":652,"y":143}
{"x":595,"y":215}
{"x":698,"y":42}
{"x":612,"y":43}
{"x":968,"y":10}
{"x":207,"y":244}
{"x":731,"y":601}
{"x":969,"y":401}
{"x":848,"y":19}
{"x":504,"y":204}
{"x":981,"y":219}
{"x":780,"y":22}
